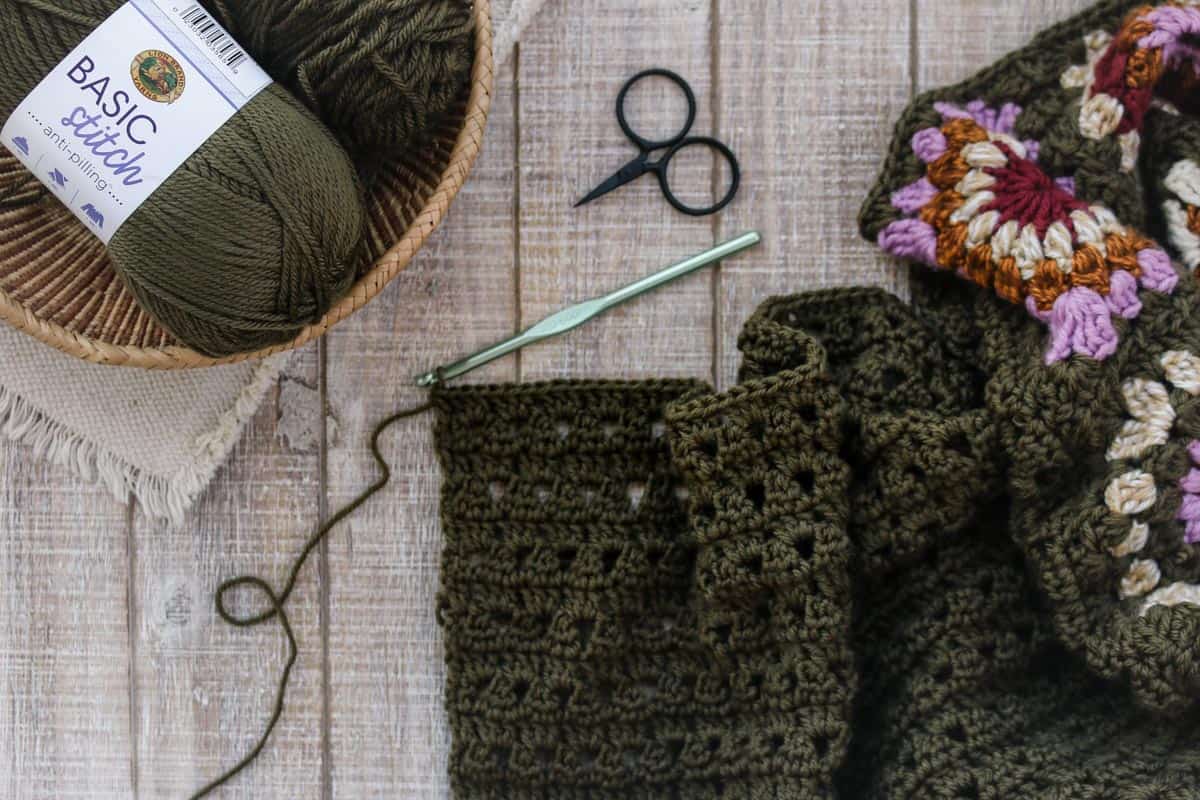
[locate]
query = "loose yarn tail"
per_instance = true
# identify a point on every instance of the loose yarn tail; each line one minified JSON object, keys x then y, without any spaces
{"x":278,"y":601}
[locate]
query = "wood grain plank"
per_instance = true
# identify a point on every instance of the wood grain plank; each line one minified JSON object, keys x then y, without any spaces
{"x":64,"y":655}
{"x":957,"y":38}
{"x":573,"y":64}
{"x":808,"y":96}
{"x":389,"y":736}
{"x":204,"y":691}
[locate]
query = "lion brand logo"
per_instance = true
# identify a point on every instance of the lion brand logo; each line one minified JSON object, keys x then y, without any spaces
{"x":158,"y":76}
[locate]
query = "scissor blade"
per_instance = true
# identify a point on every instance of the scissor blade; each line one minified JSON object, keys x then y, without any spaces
{"x":630,"y":172}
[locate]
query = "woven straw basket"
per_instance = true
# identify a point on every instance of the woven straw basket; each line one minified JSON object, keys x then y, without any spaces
{"x":57,"y":283}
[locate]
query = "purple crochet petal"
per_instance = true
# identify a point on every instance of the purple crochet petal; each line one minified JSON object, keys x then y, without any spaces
{"x":1170,"y":23}
{"x":1192,"y":535}
{"x":929,"y":144}
{"x":1007,"y":121}
{"x":1157,"y":272}
{"x":1081,"y":323}
{"x":983,"y":115}
{"x":951,"y":111}
{"x":1189,"y":509}
{"x":915,"y":196}
{"x":1067,"y":184}
{"x":1002,"y":120}
{"x":910,"y":238}
{"x":1190,"y":483}
{"x":1123,"y":294}
{"x":1194,"y":451}
{"x":1033,"y":149}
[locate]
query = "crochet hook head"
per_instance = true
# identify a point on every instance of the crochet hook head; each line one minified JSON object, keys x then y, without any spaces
{"x":570,"y":318}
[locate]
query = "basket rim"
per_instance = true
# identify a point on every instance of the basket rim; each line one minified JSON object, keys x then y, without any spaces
{"x":462,"y":159}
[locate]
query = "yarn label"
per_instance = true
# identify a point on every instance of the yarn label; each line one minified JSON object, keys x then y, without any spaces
{"x":128,"y":106}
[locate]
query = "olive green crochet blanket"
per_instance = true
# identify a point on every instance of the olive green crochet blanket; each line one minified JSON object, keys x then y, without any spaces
{"x":806,"y":587}
{"x":941,"y":550}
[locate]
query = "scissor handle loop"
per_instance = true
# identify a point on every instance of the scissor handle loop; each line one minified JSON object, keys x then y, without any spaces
{"x":651,"y":144}
{"x":735,"y":175}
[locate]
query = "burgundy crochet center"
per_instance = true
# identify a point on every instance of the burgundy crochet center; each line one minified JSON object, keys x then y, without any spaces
{"x":987,"y":210}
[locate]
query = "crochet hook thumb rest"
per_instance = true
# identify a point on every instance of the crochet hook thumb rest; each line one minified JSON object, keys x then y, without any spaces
{"x":571,"y":318}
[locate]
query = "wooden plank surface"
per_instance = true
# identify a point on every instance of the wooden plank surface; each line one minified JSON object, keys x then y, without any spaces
{"x":808,"y":93}
{"x":388,"y":734}
{"x":957,"y":39}
{"x":64,"y":652}
{"x":119,"y":681}
{"x":202,"y":690}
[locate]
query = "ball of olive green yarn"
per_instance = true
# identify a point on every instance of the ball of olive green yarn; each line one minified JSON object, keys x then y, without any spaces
{"x":251,"y":239}
{"x":379,"y":73}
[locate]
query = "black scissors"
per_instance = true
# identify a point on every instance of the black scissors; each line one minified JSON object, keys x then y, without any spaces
{"x":642,"y":164}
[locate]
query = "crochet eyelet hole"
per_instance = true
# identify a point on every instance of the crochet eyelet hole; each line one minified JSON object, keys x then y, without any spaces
{"x":584,"y":629}
{"x":659,"y":429}
{"x":959,"y":443}
{"x":566,"y":558}
{"x":807,"y":480}
{"x":892,"y":378}
{"x":563,"y":430}
{"x":805,"y":548}
{"x":756,"y":493}
{"x":709,"y":447}
{"x":636,"y":492}
{"x":821,"y":745}
{"x":496,"y":491}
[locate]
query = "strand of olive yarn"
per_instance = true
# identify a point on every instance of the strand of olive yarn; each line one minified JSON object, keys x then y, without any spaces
{"x":23,"y":192}
{"x":279,"y":601}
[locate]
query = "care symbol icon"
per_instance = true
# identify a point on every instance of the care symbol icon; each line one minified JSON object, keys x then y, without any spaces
{"x":94,"y":215}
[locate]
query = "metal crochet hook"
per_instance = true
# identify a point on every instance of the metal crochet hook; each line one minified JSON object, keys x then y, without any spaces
{"x":571,"y":318}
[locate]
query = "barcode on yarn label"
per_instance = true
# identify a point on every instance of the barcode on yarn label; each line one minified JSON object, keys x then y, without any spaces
{"x":232,"y":71}
{"x":128,"y":106}
{"x":217,"y":38}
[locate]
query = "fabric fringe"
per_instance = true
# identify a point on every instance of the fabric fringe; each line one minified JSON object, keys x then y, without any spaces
{"x":161,"y":498}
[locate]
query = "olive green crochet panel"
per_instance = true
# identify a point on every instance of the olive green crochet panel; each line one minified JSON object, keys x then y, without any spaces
{"x":806,"y":587}
{"x":599,"y":644}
